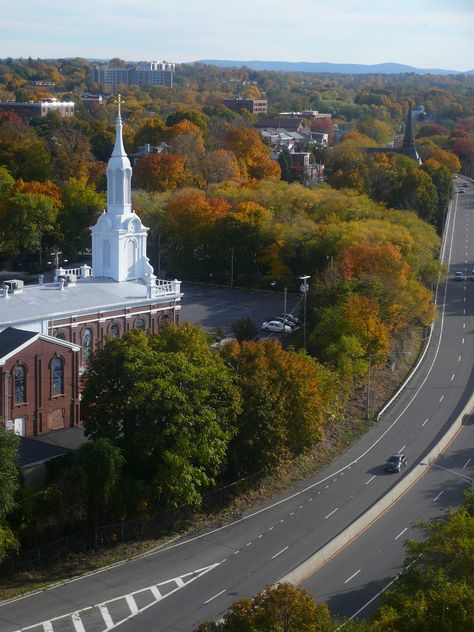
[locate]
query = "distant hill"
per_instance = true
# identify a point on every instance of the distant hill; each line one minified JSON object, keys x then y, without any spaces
{"x":325,"y":67}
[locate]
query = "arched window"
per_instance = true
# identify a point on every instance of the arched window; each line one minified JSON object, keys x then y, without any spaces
{"x":140,"y":324}
{"x":106,"y":254}
{"x":114,"y":330}
{"x":131,"y":258}
{"x":20,"y":384}
{"x":86,"y":345}
{"x":60,"y":335}
{"x":57,"y":376}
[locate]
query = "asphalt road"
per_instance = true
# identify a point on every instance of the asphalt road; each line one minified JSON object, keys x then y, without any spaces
{"x":199,"y":577}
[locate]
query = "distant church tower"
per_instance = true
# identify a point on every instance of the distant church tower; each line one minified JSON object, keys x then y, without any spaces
{"x":119,"y":237}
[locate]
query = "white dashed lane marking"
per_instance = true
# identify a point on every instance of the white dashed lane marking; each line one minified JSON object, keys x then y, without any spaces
{"x":401,"y":533}
{"x":441,"y":399}
{"x":352,"y":576}
{"x":279,"y":552}
{"x":370,"y":480}
{"x":215,"y":596}
{"x":425,"y":422}
{"x":436,"y":497}
{"x":330,"y":514}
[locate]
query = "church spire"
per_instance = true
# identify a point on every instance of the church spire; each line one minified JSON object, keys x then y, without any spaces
{"x":119,"y":174}
{"x":119,"y":149}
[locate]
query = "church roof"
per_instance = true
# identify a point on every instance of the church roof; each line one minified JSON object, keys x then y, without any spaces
{"x":88,"y":295}
{"x":11,"y":339}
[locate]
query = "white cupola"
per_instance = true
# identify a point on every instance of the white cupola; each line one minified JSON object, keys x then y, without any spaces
{"x":119,"y":237}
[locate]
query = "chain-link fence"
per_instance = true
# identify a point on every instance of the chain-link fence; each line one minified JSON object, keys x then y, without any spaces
{"x":153,"y":526}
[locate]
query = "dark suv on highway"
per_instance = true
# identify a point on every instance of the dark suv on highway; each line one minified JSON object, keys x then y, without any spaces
{"x":396,"y":462}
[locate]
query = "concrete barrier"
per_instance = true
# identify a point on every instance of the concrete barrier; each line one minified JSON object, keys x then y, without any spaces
{"x":350,"y":533}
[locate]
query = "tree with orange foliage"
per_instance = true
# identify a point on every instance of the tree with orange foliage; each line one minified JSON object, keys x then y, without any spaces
{"x":251,"y":153}
{"x":40,"y":188}
{"x":159,"y":172}
{"x":190,"y":223}
{"x":186,"y":139}
{"x":286,"y":396}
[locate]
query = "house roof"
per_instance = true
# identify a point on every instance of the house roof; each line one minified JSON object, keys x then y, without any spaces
{"x":32,"y":452}
{"x":290,"y":124}
{"x":13,"y":340}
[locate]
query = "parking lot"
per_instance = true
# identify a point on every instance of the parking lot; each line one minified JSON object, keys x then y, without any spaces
{"x":214,"y":307}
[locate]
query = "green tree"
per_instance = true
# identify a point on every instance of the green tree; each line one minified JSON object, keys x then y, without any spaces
{"x":286,"y":398}
{"x":101,"y":462}
{"x":170,"y":408}
{"x":244,"y":328}
{"x":26,"y":220}
{"x":82,"y":205}
{"x":9,"y":484}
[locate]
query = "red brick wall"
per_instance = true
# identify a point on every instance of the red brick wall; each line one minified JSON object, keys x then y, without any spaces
{"x":41,"y":410}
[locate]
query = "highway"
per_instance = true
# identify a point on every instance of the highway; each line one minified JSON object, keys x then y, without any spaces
{"x":197,"y":578}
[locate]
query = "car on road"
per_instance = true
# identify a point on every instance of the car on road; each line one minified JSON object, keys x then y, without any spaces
{"x":395,"y":462}
{"x":458,"y":276}
{"x":461,"y":191}
{"x":472,"y":275}
{"x":464,"y":184}
{"x":276,"y":326}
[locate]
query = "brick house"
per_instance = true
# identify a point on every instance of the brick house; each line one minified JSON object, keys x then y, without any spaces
{"x":39,"y":386}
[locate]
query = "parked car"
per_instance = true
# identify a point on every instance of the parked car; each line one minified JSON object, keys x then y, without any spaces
{"x":458,"y":276}
{"x":291,"y":318}
{"x":277,"y":326}
{"x":472,"y":275}
{"x":395,"y":462}
{"x":287,"y":321}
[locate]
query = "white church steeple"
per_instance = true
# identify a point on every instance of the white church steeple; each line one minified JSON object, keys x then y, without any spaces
{"x":119,"y":237}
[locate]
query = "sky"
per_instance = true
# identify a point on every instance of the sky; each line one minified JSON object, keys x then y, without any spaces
{"x":421,"y":33}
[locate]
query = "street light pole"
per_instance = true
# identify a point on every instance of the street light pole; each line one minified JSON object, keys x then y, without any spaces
{"x":468,"y":479}
{"x":304,"y":288}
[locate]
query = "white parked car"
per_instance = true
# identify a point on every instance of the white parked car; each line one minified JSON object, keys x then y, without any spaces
{"x":291,"y":318}
{"x":286,"y":321}
{"x":275,"y":325}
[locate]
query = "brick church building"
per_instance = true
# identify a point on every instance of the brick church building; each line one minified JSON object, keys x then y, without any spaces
{"x":49,"y":330}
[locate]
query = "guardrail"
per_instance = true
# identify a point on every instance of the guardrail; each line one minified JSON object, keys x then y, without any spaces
{"x":350,"y":533}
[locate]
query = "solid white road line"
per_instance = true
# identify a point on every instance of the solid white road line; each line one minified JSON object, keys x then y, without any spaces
{"x":215,"y":596}
{"x":436,"y":497}
{"x":279,"y":553}
{"x":370,"y":480}
{"x":106,"y":616}
{"x":401,"y":533}
{"x":466,"y":463}
{"x":352,"y":576}
{"x":330,"y":514}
